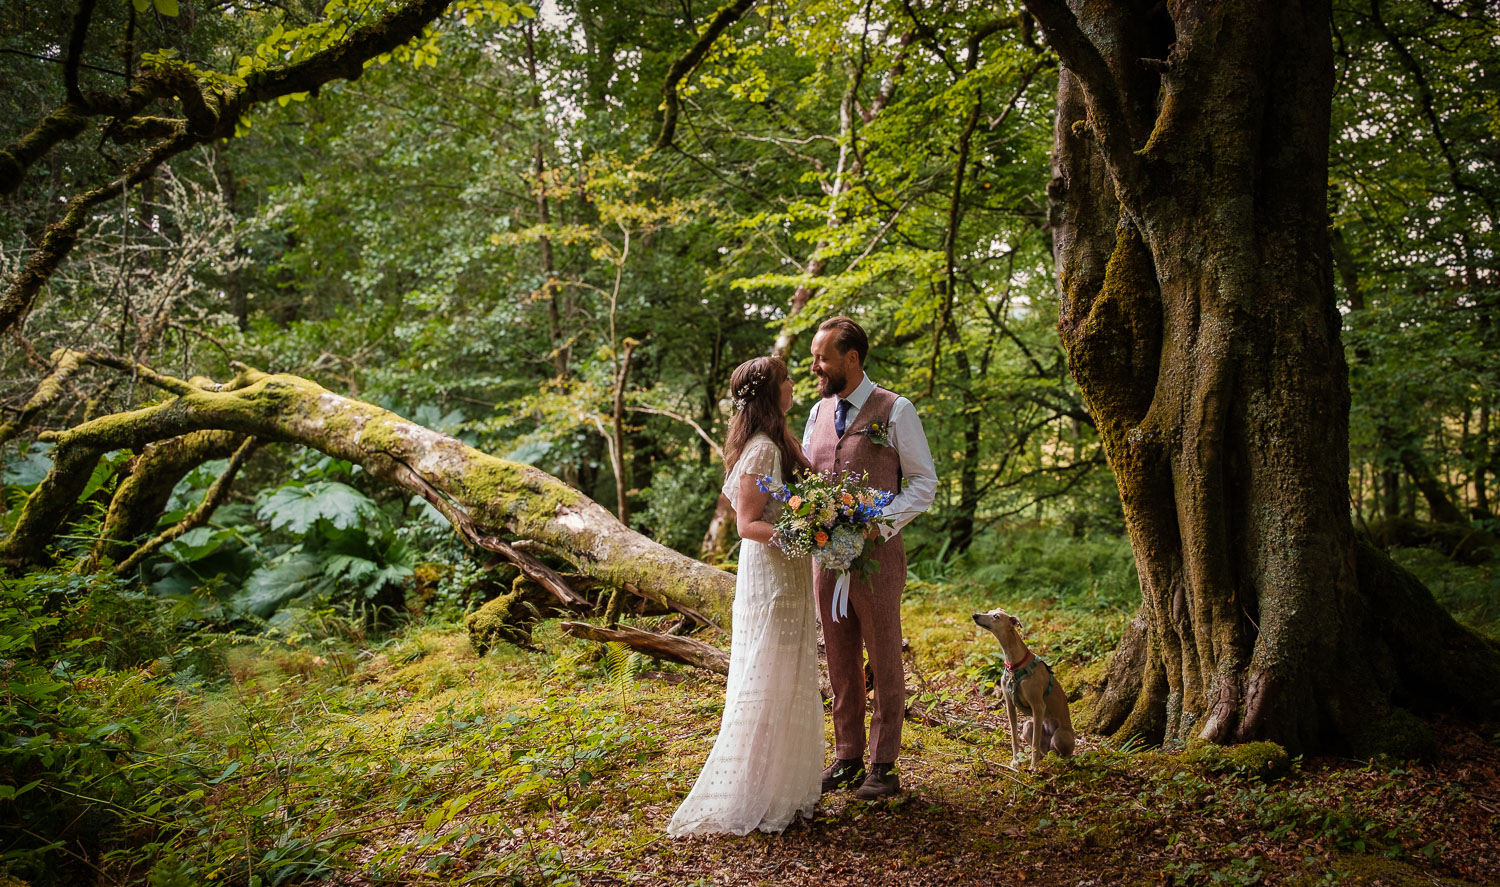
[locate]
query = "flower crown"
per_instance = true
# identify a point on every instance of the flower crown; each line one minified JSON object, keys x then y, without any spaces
{"x":742,"y":395}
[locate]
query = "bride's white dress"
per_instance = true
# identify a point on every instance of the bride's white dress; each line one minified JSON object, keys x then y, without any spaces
{"x":766,"y":766}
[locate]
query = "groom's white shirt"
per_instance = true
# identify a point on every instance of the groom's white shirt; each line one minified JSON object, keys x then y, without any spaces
{"x":918,"y":473}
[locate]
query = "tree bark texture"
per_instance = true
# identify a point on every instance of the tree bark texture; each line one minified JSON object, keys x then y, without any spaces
{"x":1197,"y":309}
{"x":481,"y":494}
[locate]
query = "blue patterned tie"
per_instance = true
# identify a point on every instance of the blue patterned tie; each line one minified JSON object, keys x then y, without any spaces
{"x":838,"y":416}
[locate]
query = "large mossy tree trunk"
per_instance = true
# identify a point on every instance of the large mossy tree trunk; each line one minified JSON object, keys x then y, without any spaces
{"x":1191,"y":239}
{"x":481,"y":494}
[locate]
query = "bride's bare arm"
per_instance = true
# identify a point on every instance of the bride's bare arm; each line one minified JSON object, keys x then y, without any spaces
{"x":752,"y":504}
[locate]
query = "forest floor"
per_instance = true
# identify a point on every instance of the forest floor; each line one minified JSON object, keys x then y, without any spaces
{"x":416,"y":761}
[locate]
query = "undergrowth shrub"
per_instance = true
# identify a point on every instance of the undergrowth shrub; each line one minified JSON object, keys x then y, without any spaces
{"x":280,"y":807}
{"x":679,"y":504}
{"x":1046,"y":564}
{"x":97,"y":761}
{"x":260,"y":759}
{"x":79,"y":662}
{"x":1073,"y":594}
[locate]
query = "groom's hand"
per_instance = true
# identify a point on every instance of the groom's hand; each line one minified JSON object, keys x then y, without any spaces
{"x":872,"y":533}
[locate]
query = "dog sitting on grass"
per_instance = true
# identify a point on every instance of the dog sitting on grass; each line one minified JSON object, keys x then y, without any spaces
{"x":1028,"y":686}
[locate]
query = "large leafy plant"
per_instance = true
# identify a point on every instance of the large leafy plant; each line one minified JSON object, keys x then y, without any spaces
{"x":312,"y":539}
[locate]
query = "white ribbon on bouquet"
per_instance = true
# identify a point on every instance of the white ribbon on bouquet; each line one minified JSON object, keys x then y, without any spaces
{"x":840,"y":603}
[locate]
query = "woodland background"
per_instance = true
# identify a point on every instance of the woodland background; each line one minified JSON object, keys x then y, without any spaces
{"x":491,"y":233}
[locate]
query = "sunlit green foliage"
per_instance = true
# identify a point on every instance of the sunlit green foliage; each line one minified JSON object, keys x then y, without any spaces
{"x":1414,"y":195}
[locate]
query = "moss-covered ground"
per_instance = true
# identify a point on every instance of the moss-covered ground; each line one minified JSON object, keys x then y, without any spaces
{"x":342,"y":760}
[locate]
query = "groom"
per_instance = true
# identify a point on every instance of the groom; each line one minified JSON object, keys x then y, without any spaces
{"x":859,"y":427}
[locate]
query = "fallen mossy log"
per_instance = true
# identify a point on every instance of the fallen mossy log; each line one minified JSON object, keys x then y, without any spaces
{"x":484,"y":496}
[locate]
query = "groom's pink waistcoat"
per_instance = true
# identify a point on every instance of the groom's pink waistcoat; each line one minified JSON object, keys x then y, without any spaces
{"x":874,"y":620}
{"x":855,"y":451}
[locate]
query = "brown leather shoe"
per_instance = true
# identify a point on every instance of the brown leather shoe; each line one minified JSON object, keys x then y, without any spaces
{"x":882,"y":783}
{"x":842,"y":774}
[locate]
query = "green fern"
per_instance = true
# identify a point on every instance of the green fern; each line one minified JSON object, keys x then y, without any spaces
{"x":616,"y":663}
{"x":133,"y":689}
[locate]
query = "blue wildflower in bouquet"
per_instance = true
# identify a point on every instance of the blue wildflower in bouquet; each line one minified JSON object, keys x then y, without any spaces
{"x":829,"y":516}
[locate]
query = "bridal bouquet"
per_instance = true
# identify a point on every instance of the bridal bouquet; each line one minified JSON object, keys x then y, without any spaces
{"x":828,"y":516}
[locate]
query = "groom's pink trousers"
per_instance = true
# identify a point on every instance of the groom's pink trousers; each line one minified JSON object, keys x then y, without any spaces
{"x":874,"y":624}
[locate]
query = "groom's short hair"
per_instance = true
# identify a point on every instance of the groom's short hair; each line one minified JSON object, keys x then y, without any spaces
{"x":846,"y":335}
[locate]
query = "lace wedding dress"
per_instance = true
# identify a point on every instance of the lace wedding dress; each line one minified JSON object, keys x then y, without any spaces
{"x":767,"y":762}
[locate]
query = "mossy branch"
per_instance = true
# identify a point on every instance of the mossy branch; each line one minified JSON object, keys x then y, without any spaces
{"x":530,"y":567}
{"x":205,"y":116}
{"x":67,"y":122}
{"x":147,"y":487}
{"x":199,"y":516}
{"x":688,"y":62}
{"x":61,"y":236}
{"x":496,"y":495}
{"x":64,"y":364}
{"x":662,"y":646}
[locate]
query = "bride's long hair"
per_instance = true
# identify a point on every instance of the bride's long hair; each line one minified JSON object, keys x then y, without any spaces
{"x":755,"y":389}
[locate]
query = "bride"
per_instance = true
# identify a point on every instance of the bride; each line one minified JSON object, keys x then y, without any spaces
{"x":765,"y":766}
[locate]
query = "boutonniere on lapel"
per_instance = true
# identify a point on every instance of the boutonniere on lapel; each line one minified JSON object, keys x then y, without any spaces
{"x":880,"y":433}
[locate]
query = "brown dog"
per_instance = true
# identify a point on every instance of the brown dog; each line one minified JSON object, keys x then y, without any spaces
{"x":1029,"y":687}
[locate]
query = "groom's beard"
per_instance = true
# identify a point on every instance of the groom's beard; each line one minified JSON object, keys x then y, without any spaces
{"x":830,"y":384}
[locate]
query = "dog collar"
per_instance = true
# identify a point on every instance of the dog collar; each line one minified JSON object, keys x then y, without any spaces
{"x":1022,"y":664}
